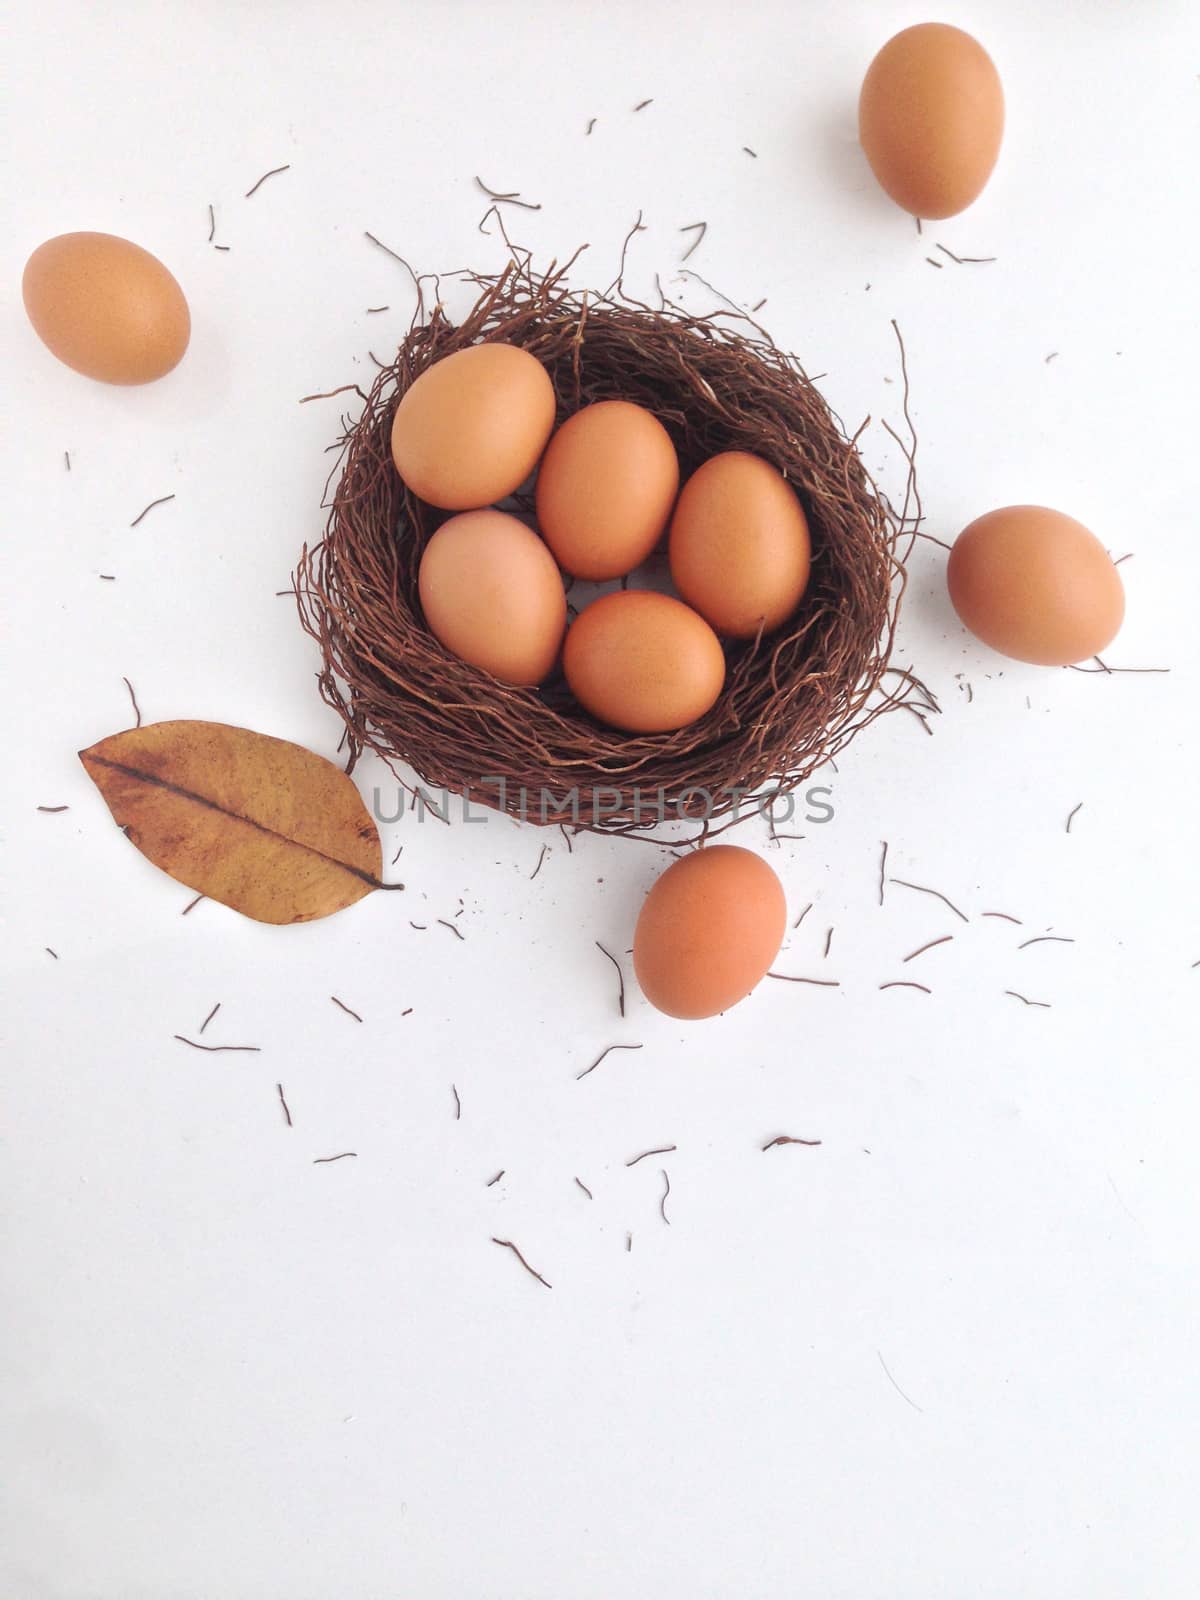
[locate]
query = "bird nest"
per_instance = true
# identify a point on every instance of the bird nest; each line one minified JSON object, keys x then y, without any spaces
{"x":792,"y":700}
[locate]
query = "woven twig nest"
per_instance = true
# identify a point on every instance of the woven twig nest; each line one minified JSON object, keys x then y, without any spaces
{"x":791,"y":700}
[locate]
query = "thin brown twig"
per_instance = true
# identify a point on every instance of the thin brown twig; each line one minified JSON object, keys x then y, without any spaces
{"x":458,"y":934}
{"x":933,"y":943}
{"x":1045,"y":1004}
{"x":608,"y":1049}
{"x":457,"y":1103}
{"x":53,"y":810}
{"x":964,"y":261}
{"x":642,"y":104}
{"x":493,"y":1181}
{"x":937,"y":894}
{"x":161,"y":501}
{"x":1073,"y":815}
{"x":283,"y":1102}
{"x":802,"y":916}
{"x":788,"y":1138}
{"x":1045,"y":938}
{"x":50,"y":952}
{"x":274,"y":172}
{"x":512,"y":198}
{"x":342,"y":1006}
{"x":1004,"y":917}
{"x":662,"y":1204}
{"x":898,"y":983}
{"x":192,"y":904}
{"x":620,"y":976}
{"x":210,"y":1016}
{"x":659,"y":1150}
{"x":882,"y":867}
{"x":820,"y":983}
{"x":220,"y":1049}
{"x":507,"y":1244}
{"x":137,"y":710}
{"x":540,"y":859}
{"x":320,"y":1161}
{"x":585,"y":1188}
{"x":691,"y":227}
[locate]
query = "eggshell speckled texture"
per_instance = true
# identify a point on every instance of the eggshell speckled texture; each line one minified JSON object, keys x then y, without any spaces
{"x":931,"y":118}
{"x":492,"y":594}
{"x":708,"y":931}
{"x":643,"y":662}
{"x":106,"y":307}
{"x":739,"y":545}
{"x":471,"y":428}
{"x":605,"y":489}
{"x":1036,"y":585}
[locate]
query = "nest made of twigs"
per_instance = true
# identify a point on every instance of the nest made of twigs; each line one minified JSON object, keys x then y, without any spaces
{"x":791,"y":700}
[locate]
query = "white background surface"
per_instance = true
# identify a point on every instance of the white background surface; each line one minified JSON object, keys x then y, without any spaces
{"x":231,"y":1373}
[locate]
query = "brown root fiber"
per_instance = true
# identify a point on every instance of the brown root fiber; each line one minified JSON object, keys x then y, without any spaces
{"x":791,"y":700}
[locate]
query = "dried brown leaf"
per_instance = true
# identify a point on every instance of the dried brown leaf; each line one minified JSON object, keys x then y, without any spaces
{"x":260,"y":824}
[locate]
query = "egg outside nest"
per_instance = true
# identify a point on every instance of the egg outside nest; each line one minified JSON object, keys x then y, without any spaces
{"x":791,"y":700}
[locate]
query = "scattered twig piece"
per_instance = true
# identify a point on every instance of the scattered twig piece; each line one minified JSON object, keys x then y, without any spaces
{"x":137,"y":710}
{"x":326,"y":394}
{"x":1073,"y":815}
{"x":1045,"y":938}
{"x":802,"y":916}
{"x":585,"y":1188}
{"x":882,"y":867}
{"x":509,"y":198}
{"x":1003,"y":915}
{"x":828,"y":944}
{"x":821,"y":983}
{"x":608,"y":1049}
{"x":53,"y":810}
{"x":50,"y":952}
{"x":274,"y":172}
{"x":934,"y":263}
{"x":540,"y":859}
{"x":493,"y":1181}
{"x":897,"y":983}
{"x":457,"y":1103}
{"x":787,"y":1138}
{"x":1045,"y":1004}
{"x":161,"y":501}
{"x":642,"y":104}
{"x":108,"y":577}
{"x":937,"y":894}
{"x":67,"y":459}
{"x":191,"y":904}
{"x":320,"y":1161}
{"x":1053,"y":354}
{"x":507,"y":1244}
{"x":590,"y":126}
{"x":897,"y":1387}
{"x":662,"y":1204}
{"x":342,"y":1006}
{"x":212,"y":224}
{"x":945,"y":939}
{"x":620,"y":976}
{"x":210,"y":1016}
{"x":220,"y":1049}
{"x":283,"y":1102}
{"x":660,"y":1150}
{"x":750,"y":152}
{"x":458,"y":934}
{"x":964,"y":261}
{"x":373,"y":311}
{"x":628,"y":1242}
{"x":691,"y":228}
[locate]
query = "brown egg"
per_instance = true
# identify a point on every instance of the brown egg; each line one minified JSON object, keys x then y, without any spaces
{"x":605,"y":489}
{"x":643,"y":662}
{"x":739,"y":544}
{"x":931,"y":117}
{"x":1036,"y":585}
{"x":106,"y":307}
{"x":708,"y":931}
{"x":492,"y":594}
{"x":471,"y":428}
